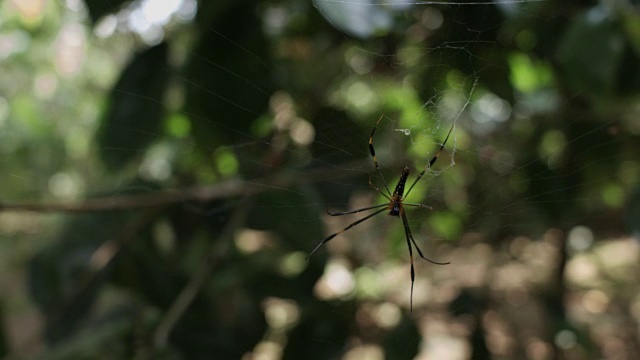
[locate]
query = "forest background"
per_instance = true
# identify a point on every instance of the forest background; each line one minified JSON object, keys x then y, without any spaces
{"x":167,"y":166}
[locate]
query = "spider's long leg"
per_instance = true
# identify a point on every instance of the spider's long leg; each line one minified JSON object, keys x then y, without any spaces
{"x":378,"y":189}
{"x":340,"y":213}
{"x":432,"y":161}
{"x":417,"y":205}
{"x":407,"y":233}
{"x":407,"y":230}
{"x":373,"y":155}
{"x":345,"y":229}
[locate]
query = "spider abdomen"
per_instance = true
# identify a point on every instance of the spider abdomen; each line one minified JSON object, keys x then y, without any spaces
{"x":396,"y":199}
{"x":399,"y":191}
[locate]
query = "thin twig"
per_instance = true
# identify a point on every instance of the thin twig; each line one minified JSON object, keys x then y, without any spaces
{"x":223,"y":190}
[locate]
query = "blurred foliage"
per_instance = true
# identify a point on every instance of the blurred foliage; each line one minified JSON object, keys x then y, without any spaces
{"x":145,"y":77}
{"x":535,"y":197}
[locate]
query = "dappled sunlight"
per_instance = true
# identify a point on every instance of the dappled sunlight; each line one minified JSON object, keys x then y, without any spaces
{"x":537,"y":349}
{"x":499,"y":335}
{"x":443,"y":339}
{"x":364,"y":352}
{"x":293,"y":264}
{"x":265,"y":350}
{"x":387,"y":315}
{"x":70,"y":49}
{"x":583,"y":270}
{"x":337,"y":281}
{"x":250,"y":241}
{"x":471,"y":265}
{"x":595,"y":301}
{"x":619,"y":257}
{"x":281,"y":314}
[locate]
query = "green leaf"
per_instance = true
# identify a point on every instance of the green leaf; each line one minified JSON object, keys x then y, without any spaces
{"x":590,"y":53}
{"x":134,"y":116}
{"x":631,"y":23}
{"x":228,"y":81}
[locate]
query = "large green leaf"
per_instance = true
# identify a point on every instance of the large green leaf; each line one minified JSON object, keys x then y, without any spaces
{"x":135,"y":111}
{"x":228,"y":78}
{"x":590,"y":52}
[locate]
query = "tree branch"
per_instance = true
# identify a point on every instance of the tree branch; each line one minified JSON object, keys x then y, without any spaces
{"x":223,"y":190}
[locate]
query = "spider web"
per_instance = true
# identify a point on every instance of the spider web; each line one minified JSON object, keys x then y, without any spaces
{"x":478,"y":162}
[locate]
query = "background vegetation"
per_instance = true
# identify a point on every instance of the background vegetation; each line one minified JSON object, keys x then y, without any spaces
{"x":167,"y":165}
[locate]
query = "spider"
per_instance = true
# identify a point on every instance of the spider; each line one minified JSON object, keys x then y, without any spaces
{"x":395,"y":206}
